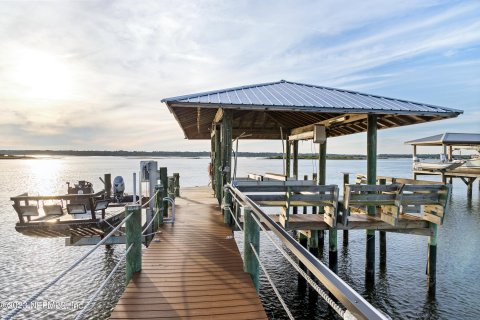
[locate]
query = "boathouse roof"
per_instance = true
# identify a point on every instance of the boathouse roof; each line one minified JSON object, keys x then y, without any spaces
{"x":448,"y":138}
{"x":260,"y":110}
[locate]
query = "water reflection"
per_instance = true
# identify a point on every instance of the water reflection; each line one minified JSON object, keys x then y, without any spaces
{"x":45,"y":175}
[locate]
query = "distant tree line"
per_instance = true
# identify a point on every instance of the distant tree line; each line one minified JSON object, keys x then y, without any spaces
{"x":195,"y":154}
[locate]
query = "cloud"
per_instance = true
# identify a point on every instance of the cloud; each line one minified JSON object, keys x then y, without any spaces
{"x":120,"y":58}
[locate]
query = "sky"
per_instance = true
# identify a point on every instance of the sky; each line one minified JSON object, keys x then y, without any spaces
{"x":89,"y":75}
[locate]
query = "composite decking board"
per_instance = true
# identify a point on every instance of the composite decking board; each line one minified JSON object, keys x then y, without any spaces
{"x":192,"y":269}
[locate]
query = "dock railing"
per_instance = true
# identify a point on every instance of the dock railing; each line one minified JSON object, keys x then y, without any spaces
{"x":132,"y":256}
{"x":255,"y":218}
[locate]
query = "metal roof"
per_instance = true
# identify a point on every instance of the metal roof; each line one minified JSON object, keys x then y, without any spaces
{"x":448,"y":138}
{"x":289,"y":105}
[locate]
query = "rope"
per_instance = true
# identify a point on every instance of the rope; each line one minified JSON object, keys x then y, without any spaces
{"x":310,"y":281}
{"x":151,"y":221}
{"x":233,"y":216}
{"x":284,"y":305}
{"x":111,"y":226}
{"x":103,"y":285}
{"x":150,"y":200}
{"x":15,"y":311}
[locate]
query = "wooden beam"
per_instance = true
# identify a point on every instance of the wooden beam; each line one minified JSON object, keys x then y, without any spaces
{"x":218,"y":116}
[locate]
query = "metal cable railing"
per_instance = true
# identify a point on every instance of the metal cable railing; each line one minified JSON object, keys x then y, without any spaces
{"x":272,"y":284}
{"x":32,"y":298}
{"x":356,"y":305}
{"x":277,"y":293}
{"x":81,"y":314}
{"x":310,"y":281}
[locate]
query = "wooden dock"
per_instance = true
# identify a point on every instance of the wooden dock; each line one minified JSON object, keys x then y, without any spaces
{"x":192,"y":269}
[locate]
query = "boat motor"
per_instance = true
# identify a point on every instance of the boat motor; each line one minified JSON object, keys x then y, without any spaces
{"x":118,"y":188}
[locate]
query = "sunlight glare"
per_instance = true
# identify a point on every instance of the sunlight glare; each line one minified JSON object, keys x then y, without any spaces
{"x":42,"y":75}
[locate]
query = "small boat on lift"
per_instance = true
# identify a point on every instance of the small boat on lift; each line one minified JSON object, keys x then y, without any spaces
{"x":79,"y":213}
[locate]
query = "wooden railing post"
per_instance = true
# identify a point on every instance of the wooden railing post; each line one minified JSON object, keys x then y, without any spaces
{"x":107,"y":178}
{"x":176,"y":177}
{"x":133,"y":230}
{"x":251,"y":234}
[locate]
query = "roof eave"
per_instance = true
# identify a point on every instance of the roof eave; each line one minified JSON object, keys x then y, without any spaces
{"x":452,"y":113}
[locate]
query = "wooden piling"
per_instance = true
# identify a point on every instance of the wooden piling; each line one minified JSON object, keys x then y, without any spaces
{"x":158,"y":206}
{"x":227,"y":123}
{"x":176,"y":180}
{"x":107,"y":178}
{"x":470,"y":187}
{"x":295,"y":166}
{"x":217,"y":163}
{"x":251,"y":234}
{"x":133,"y":235}
{"x":302,"y":283}
{"x":383,"y":241}
{"x":346,"y":180}
{"x":371,"y":180}
{"x":432,"y":259}
{"x":164,"y":182}
{"x":287,"y":164}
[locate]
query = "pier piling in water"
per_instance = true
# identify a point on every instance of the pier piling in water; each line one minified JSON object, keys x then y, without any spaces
{"x":432,"y":260}
{"x":133,"y":230}
{"x":251,"y":234}
{"x":383,"y":240}
{"x":346,"y":180}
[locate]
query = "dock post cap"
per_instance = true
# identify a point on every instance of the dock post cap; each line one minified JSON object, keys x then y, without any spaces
{"x":132,"y":207}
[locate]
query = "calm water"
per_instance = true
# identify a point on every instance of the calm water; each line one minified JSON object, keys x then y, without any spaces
{"x":27,"y":263}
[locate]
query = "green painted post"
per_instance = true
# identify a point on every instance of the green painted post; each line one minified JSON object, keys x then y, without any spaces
{"x":133,"y":230}
{"x":432,"y":260}
{"x":158,"y":206}
{"x":251,"y":234}
{"x":212,"y":157}
{"x":227,"y":124}
{"x":332,"y":250}
{"x":288,"y":157}
{"x":383,"y":241}
{"x":295,"y":159}
{"x":164,"y":182}
{"x":176,"y":179}
{"x":171,"y":187}
{"x":346,"y":180}
{"x":371,"y":180}
{"x":217,"y":175}
{"x":302,"y":283}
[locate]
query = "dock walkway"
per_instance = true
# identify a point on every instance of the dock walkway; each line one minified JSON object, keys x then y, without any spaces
{"x":194,"y":271}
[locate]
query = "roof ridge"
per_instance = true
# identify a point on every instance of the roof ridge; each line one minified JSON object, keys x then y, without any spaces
{"x":206,"y":93}
{"x":373,"y":95}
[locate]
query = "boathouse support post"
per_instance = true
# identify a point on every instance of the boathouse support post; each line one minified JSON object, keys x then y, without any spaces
{"x":432,"y":259}
{"x":176,"y":179}
{"x":288,"y":158}
{"x":227,"y":123}
{"x":217,"y":163}
{"x":371,"y":180}
{"x":295,"y":167}
{"x":383,"y":240}
{"x":164,"y":183}
{"x":133,"y":236}
{"x":346,"y":180}
{"x":302,"y":283}
{"x":251,"y":234}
